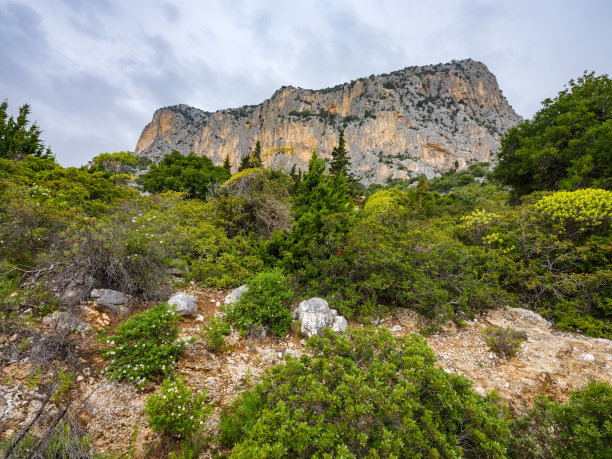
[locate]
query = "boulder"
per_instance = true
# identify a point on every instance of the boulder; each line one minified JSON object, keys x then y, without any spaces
{"x":185,"y":304}
{"x":65,"y":321}
{"x":316,"y":315}
{"x":235,"y":294}
{"x":107,"y":300}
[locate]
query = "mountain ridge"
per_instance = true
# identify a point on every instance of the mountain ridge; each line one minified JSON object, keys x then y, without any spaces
{"x":418,"y":120}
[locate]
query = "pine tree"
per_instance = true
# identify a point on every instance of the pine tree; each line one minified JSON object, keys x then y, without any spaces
{"x":245,"y":162}
{"x":17,"y":140}
{"x":255,"y":159}
{"x":340,"y":162}
{"x":226,"y":164}
{"x":319,"y":205}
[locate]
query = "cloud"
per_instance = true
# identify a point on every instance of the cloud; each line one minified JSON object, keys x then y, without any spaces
{"x":94,"y":72}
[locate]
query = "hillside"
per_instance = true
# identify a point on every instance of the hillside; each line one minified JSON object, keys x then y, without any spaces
{"x":199,"y":313}
{"x":416,"y":121}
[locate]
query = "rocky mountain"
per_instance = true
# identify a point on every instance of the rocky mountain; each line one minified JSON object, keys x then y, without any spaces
{"x":419,"y":120}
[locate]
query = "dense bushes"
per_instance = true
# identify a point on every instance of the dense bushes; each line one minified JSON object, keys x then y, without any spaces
{"x":266,"y":302}
{"x":368,"y":395}
{"x":580,"y":428}
{"x":194,"y":175}
{"x":144,"y":347}
{"x":175,"y":410}
{"x":566,"y":145}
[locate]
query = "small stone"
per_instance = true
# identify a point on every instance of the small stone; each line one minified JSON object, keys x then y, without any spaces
{"x":587,"y":357}
{"x":200,"y":318}
{"x":80,"y":378}
{"x":491,"y":355}
{"x":280,"y":355}
{"x":507,"y":384}
{"x":303,"y":342}
{"x":397,"y":328}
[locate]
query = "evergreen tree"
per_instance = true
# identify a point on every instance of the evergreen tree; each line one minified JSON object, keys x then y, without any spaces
{"x":340,"y":162}
{"x":255,"y":159}
{"x":226,"y":164}
{"x":17,"y":140}
{"x":245,"y":162}
{"x":319,"y":211}
{"x":296,"y":178}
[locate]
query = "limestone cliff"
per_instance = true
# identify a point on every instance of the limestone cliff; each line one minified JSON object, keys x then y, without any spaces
{"x":419,"y":120}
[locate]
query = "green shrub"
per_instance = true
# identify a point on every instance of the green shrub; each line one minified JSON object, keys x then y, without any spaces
{"x":580,"y":428}
{"x":215,"y":333}
{"x":505,"y":342}
{"x":145,"y":346}
{"x":266,"y":302}
{"x":175,"y":410}
{"x":254,"y":200}
{"x":578,"y":211}
{"x":367,"y":395}
{"x":191,"y":174}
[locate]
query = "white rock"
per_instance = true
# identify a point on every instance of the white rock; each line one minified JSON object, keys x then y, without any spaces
{"x":491,"y":355}
{"x":397,"y":328}
{"x":316,"y":315}
{"x":200,"y":318}
{"x":185,"y":304}
{"x":235,"y":294}
{"x":587,"y":357}
{"x":339,"y":325}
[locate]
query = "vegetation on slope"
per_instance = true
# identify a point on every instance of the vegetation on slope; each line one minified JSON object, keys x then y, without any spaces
{"x":447,"y":248}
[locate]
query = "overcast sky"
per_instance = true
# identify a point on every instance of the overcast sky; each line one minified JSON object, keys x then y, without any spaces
{"x":94,"y":71}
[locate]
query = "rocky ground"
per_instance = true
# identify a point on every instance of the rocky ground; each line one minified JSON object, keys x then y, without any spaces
{"x":549,"y":362}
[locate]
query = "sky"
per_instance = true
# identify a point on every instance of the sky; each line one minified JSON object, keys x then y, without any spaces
{"x":94,"y":71}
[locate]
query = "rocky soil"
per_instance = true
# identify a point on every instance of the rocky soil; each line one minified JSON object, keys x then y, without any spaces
{"x":549,"y":362}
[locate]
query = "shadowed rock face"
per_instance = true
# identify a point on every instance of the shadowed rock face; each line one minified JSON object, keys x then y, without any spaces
{"x":419,"y":120}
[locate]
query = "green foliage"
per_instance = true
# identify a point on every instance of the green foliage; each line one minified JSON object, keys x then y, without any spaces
{"x":175,"y":410}
{"x":215,"y":333}
{"x":254,"y":200}
{"x":505,"y":342}
{"x":226,"y":164}
{"x":64,"y":381}
{"x":567,"y":144}
{"x":340,"y":162}
{"x":114,"y":162}
{"x":580,"y":428}
{"x":578,"y":211}
{"x":255,"y":158}
{"x":17,"y":140}
{"x":266,"y":302}
{"x":321,"y":208}
{"x":194,"y":175}
{"x":245,"y":163}
{"x":144,"y":347}
{"x":368,"y":395}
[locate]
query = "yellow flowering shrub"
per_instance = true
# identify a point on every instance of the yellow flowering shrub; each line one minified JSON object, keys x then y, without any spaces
{"x":477,"y":223}
{"x":580,"y":210}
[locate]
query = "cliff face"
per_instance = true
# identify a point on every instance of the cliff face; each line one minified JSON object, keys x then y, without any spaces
{"x":419,"y":120}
